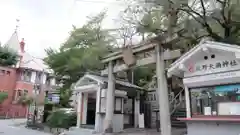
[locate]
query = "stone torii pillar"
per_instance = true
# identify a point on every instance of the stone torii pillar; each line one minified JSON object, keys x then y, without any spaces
{"x":108,"y":123}
{"x":162,"y":91}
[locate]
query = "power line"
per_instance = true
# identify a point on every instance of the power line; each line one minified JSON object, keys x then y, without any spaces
{"x":101,"y":2}
{"x":117,"y":3}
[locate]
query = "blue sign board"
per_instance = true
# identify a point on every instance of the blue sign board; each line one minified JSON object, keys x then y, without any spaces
{"x":54,"y":98}
{"x":228,"y":88}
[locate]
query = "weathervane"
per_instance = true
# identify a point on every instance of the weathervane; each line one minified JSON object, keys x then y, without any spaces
{"x":17,"y":22}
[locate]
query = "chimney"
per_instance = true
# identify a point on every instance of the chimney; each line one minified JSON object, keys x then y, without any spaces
{"x":22,"y":45}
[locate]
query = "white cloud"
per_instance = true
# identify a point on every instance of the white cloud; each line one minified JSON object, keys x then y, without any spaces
{"x":46,"y":23}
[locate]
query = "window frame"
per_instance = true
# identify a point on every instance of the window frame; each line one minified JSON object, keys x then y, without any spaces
{"x":25,"y":92}
{"x":26,"y":75}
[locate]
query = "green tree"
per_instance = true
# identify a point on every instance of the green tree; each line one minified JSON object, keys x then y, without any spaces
{"x":3,"y":96}
{"x":25,"y":100}
{"x":8,"y":57}
{"x":143,"y":75}
{"x":80,"y":53}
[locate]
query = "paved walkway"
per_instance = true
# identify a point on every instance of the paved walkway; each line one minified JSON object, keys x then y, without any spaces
{"x":175,"y":131}
{"x":16,"y":121}
{"x":17,"y":127}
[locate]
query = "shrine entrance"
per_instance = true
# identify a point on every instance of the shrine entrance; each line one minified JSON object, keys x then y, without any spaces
{"x":91,"y":93}
{"x":91,"y":108}
{"x":135,"y":56}
{"x":129,"y":112}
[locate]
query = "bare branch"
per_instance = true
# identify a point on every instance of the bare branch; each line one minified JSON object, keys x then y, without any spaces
{"x":204,"y":9}
{"x":202,"y":20}
{"x":223,"y":3}
{"x":189,"y":9}
{"x":220,"y":1}
{"x":193,"y":4}
{"x":219,"y":21}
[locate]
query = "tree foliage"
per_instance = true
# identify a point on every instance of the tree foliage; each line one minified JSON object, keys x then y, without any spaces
{"x":25,"y":100}
{"x":143,"y":75}
{"x":192,"y":20}
{"x":80,"y":53}
{"x":8,"y":57}
{"x":3,"y":96}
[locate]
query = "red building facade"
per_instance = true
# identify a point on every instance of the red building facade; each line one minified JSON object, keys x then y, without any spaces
{"x":30,"y":76}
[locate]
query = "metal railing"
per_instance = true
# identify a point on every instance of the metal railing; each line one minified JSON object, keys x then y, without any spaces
{"x":176,"y":101}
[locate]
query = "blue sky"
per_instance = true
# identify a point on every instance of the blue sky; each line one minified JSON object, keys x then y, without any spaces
{"x":46,"y":23}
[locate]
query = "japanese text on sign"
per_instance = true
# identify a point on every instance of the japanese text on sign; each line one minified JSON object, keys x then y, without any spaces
{"x":211,"y":66}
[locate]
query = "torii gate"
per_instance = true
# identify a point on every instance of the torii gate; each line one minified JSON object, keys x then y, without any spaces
{"x":140,"y":55}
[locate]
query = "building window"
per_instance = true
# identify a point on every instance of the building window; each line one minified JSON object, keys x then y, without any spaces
{"x":26,"y":75}
{"x":17,"y":94}
{"x":25,"y":92}
{"x":8,"y":72}
{"x":38,"y":77}
{"x":4,"y":72}
{"x":216,"y":100}
{"x":36,"y":89}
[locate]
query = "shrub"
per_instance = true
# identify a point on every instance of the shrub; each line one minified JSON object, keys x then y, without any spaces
{"x":3,"y":96}
{"x":25,"y":100}
{"x":62,"y":119}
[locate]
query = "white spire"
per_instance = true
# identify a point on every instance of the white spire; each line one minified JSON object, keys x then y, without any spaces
{"x":13,"y":42}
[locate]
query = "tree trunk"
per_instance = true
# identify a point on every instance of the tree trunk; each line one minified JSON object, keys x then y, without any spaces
{"x":27,"y":111}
